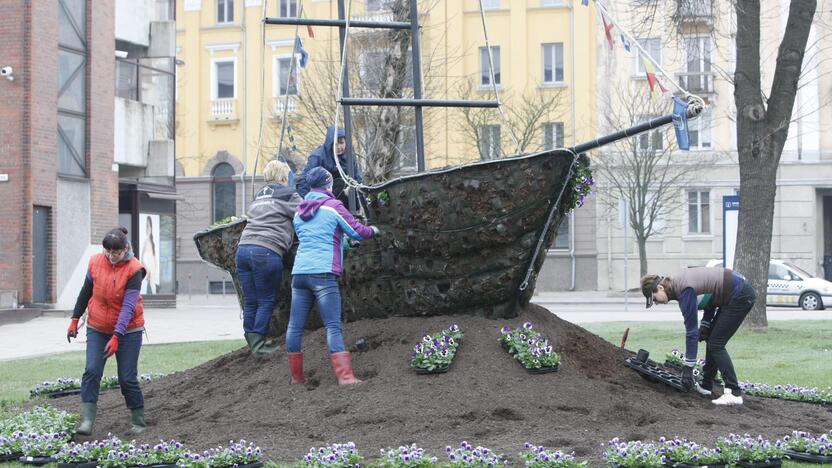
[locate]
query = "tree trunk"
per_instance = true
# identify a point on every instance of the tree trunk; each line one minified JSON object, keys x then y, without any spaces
{"x":642,"y":255}
{"x":762,"y":128}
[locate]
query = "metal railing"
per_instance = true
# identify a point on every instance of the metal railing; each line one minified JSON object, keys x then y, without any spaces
{"x":697,"y":82}
{"x":695,"y":10}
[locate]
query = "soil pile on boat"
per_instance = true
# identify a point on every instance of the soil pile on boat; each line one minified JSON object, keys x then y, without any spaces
{"x":487,"y":398}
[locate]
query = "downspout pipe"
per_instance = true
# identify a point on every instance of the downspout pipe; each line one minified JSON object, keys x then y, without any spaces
{"x":572,"y":258}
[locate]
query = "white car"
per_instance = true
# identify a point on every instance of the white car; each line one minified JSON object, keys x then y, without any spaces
{"x":788,"y":285}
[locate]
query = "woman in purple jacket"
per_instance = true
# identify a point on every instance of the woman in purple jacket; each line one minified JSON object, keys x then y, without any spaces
{"x":321,"y":222}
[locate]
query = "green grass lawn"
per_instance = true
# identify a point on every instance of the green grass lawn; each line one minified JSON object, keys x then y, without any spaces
{"x":798,"y":352}
{"x":21,"y":375}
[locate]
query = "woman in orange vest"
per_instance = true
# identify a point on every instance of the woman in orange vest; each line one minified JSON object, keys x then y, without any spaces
{"x":111,"y":295}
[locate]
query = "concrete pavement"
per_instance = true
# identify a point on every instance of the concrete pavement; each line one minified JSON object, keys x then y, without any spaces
{"x":217,"y":317}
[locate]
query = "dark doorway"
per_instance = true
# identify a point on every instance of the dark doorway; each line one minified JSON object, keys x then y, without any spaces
{"x":827,"y":237}
{"x":40,"y":254}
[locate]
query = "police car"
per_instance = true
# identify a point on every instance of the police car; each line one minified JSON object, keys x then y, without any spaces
{"x":788,"y":285}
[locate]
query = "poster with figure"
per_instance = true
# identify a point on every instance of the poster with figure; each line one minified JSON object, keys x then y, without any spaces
{"x":149,"y":251}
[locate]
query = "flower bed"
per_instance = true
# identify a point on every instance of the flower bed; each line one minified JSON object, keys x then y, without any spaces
{"x":750,"y":451}
{"x":803,"y":446}
{"x":68,"y":386}
{"x":530,"y":349}
{"x":683,"y":453}
{"x":435,"y":353}
{"x":635,"y":454}
{"x":539,"y":457}
{"x":406,"y":457}
{"x":332,"y":456}
{"x":675,"y":360}
{"x":788,"y":392}
{"x":473,"y":457}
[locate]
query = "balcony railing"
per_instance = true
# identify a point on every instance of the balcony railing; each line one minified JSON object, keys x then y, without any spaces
{"x":698,"y":11}
{"x":697,"y":82}
{"x":291,"y":105}
{"x":223,"y":109}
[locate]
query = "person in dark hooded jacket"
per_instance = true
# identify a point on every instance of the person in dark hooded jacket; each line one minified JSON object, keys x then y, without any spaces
{"x":321,"y":222}
{"x":322,"y":157}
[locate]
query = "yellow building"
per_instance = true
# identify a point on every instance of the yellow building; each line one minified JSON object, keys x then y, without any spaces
{"x":232,"y":80}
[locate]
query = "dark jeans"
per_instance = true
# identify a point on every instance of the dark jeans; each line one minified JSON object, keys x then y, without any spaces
{"x":306,"y":289}
{"x":127,"y":360}
{"x":726,"y":323}
{"x":260,"y":271}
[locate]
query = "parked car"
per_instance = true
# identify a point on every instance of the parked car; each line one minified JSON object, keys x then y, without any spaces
{"x":788,"y":285}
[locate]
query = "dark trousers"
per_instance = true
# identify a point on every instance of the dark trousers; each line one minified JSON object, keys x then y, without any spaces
{"x":127,"y":360}
{"x":725,"y":324}
{"x":260,"y":271}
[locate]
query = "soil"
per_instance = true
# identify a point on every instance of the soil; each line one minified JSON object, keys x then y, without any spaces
{"x":486,"y":399}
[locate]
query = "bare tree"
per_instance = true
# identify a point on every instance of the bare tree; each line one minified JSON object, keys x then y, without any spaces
{"x":525,"y":114}
{"x":762,"y":128}
{"x":646,"y":171}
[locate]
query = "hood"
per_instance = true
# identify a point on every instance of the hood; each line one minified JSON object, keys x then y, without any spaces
{"x":331,"y":137}
{"x":127,"y":256}
{"x":313,"y":201}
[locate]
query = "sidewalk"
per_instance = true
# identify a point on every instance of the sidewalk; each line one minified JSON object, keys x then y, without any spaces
{"x":217,"y":317}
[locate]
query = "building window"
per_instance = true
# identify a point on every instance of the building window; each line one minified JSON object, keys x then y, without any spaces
{"x":562,"y":236}
{"x":284,"y":85}
{"x":490,"y":4}
{"x":649,"y":141}
{"x":224,"y":192}
{"x":699,"y":131}
{"x":288,"y":8}
{"x":72,"y":94}
{"x":551,"y":3}
{"x":405,"y":158}
{"x":225,"y":11}
{"x":485,"y":69}
{"x":698,"y":64}
{"x":653,"y":46}
{"x":224,"y":79}
{"x":552,"y":135}
{"x":699,"y":212}
{"x":489,"y":142}
{"x":553,"y":63}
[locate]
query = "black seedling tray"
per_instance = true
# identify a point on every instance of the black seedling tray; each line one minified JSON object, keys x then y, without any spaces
{"x":809,"y":457}
{"x":438,"y":370}
{"x":655,"y":373}
{"x":776,"y":463}
{"x":686,"y":465}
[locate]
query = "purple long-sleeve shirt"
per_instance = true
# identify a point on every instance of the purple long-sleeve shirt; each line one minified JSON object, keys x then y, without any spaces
{"x":128,"y":304}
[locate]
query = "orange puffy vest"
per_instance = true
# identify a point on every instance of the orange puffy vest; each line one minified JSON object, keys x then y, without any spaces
{"x":108,"y":283}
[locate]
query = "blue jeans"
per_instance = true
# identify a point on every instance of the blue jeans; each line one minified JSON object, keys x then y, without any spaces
{"x":127,"y":360}
{"x":306,"y":289}
{"x":260,"y":271}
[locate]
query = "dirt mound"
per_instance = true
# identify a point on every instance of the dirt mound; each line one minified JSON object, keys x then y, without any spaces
{"x":486,"y":398}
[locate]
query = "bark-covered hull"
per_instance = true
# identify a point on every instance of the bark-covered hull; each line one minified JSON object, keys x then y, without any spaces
{"x":451,"y":241}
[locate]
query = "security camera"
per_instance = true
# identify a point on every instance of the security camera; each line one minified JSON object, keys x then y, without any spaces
{"x":7,"y":72}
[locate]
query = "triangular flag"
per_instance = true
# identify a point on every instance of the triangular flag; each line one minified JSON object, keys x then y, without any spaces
{"x":626,"y":42}
{"x":585,"y":2}
{"x":608,"y":27}
{"x":652,"y":80}
{"x":304,"y":55}
{"x":310,"y":31}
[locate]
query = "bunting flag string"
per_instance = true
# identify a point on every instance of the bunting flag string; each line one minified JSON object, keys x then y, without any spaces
{"x":290,"y":133}
{"x":652,"y":79}
{"x":608,"y":31}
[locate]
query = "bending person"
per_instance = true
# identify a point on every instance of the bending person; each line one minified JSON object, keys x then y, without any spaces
{"x":322,"y":157}
{"x":111,"y":296}
{"x":726,"y":298}
{"x":320,"y":223}
{"x":264,"y":242}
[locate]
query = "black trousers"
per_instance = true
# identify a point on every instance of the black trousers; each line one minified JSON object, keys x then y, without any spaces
{"x":726,"y":323}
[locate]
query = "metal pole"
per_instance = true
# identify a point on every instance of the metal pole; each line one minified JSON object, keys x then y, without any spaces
{"x":417,"y":83}
{"x":345,"y":92}
{"x":405,"y":102}
{"x":626,"y":254}
{"x":336,"y":23}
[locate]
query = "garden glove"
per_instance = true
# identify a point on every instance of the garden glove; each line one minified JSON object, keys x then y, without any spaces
{"x":72,"y":331}
{"x":687,"y":377}
{"x":376,"y":231}
{"x":112,"y":347}
{"x":704,"y":330}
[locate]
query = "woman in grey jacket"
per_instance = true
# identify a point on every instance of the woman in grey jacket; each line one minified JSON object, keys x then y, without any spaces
{"x":266,"y":238}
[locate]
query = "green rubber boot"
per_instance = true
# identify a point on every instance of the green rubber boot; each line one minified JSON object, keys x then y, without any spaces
{"x":258,"y":344}
{"x":137,"y":421}
{"x":87,"y":418}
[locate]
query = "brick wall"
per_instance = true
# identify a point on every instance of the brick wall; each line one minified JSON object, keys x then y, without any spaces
{"x":28,"y":132}
{"x":12,"y":32}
